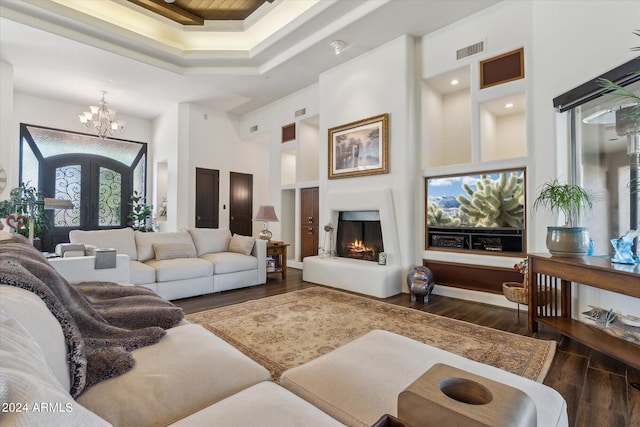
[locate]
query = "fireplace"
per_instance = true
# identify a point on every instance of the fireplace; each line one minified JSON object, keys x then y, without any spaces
{"x":374,"y":206}
{"x":359,"y":235}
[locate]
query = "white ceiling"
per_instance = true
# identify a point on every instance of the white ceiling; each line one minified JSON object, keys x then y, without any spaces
{"x":63,"y":53}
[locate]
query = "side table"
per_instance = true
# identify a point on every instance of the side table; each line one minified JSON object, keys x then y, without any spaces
{"x":278,"y":251}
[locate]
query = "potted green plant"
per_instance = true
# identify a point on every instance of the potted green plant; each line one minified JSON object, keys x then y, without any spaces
{"x":28,"y":205}
{"x":570,"y":200}
{"x":140,"y":214}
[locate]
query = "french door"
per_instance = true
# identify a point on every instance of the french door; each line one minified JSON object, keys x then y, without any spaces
{"x":98,"y":187}
{"x":97,"y":175}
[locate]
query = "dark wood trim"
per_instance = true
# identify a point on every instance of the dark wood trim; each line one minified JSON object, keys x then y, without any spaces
{"x":474,"y":277}
{"x":502,"y":68}
{"x":289,"y":132}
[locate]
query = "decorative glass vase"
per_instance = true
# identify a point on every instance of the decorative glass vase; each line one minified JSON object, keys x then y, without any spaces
{"x":623,"y":254}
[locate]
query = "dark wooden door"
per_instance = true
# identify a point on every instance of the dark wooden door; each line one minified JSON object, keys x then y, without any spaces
{"x":241,"y":203}
{"x":309,"y":211}
{"x":207,"y":198}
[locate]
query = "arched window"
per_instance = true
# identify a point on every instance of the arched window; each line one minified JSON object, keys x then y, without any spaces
{"x":97,"y":175}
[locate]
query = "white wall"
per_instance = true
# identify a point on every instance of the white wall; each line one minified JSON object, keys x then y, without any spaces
{"x":503,"y":28}
{"x":574,"y":42}
{"x":380,"y":81}
{"x":8,"y":153}
{"x":282,"y":158}
{"x":165,"y":150}
{"x":214,"y":144}
{"x":566,"y":44}
{"x":191,"y":136}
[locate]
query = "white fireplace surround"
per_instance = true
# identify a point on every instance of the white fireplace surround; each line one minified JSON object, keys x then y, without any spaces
{"x":370,"y":200}
{"x":357,"y":275}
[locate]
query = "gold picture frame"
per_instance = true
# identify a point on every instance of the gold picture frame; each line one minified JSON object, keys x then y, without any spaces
{"x":359,"y":148}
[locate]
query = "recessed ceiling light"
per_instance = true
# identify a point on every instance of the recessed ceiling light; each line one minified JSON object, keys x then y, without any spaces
{"x":454,"y":82}
{"x":508,"y":105}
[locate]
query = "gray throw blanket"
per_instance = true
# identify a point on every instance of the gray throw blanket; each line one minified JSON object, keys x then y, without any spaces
{"x":102,"y":322}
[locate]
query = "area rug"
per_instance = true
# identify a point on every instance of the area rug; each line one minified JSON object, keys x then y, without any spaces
{"x":287,"y":330}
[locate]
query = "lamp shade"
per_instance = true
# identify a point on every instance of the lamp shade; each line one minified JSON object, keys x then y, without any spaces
{"x":50,"y":203}
{"x":266,"y":213}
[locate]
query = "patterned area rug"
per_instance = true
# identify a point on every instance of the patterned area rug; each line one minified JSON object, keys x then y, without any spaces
{"x":284,"y":331}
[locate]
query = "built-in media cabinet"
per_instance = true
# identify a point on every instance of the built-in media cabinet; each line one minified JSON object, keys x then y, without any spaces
{"x":553,"y":276}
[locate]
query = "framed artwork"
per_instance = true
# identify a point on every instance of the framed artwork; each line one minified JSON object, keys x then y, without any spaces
{"x":360,"y":148}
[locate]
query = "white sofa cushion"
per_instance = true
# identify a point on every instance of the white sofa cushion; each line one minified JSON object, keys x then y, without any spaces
{"x":32,"y":313}
{"x":188,"y":370}
{"x":27,"y":381}
{"x":230,"y":262}
{"x":122,"y":240}
{"x":180,"y":269}
{"x":264,"y":404}
{"x":360,"y":381}
{"x":145,"y":242}
{"x":210,"y":240}
{"x":165,"y":251}
{"x":142,"y":274}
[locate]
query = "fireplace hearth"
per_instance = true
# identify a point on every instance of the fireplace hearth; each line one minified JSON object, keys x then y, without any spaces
{"x":352,"y":274}
{"x":359,"y":235}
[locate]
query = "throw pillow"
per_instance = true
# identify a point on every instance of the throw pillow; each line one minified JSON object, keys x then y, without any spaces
{"x":241,"y":244}
{"x":210,"y":240}
{"x":173,"y":250}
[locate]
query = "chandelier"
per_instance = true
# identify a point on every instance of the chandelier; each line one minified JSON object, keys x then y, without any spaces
{"x":101,"y":119}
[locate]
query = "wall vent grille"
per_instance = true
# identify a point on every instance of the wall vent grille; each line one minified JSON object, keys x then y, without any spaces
{"x":253,"y":128}
{"x":301,"y":112}
{"x":470,"y":50}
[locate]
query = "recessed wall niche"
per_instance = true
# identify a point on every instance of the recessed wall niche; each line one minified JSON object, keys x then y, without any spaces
{"x":288,"y":167}
{"x":309,"y":146}
{"x":446,"y":119}
{"x":503,"y":128}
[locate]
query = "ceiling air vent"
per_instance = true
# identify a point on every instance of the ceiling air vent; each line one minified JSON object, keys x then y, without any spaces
{"x":253,"y":128}
{"x":301,"y":112}
{"x":470,"y":50}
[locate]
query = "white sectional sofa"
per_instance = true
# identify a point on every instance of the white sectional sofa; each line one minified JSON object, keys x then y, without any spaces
{"x":185,"y":263}
{"x":190,"y":377}
{"x":193,"y":378}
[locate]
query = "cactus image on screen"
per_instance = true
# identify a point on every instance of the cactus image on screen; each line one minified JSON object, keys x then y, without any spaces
{"x":438,"y":217}
{"x":494,"y":202}
{"x":483,"y":200}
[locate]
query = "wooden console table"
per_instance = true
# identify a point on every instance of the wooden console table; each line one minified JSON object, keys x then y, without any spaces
{"x":554,"y":276}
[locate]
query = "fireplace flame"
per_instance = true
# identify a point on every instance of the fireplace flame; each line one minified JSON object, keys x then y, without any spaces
{"x":358,"y":246}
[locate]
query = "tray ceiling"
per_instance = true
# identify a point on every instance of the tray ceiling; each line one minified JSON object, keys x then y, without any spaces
{"x":196,"y":12}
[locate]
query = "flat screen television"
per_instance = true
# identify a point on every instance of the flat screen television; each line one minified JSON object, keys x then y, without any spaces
{"x":480,"y":212}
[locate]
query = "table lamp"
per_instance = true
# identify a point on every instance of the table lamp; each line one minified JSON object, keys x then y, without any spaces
{"x":267,"y":214}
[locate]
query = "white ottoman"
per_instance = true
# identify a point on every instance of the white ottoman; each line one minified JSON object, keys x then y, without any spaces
{"x":264,"y":404}
{"x":360,"y":381}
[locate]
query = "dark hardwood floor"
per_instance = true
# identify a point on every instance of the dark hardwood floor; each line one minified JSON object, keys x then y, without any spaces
{"x":595,"y":386}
